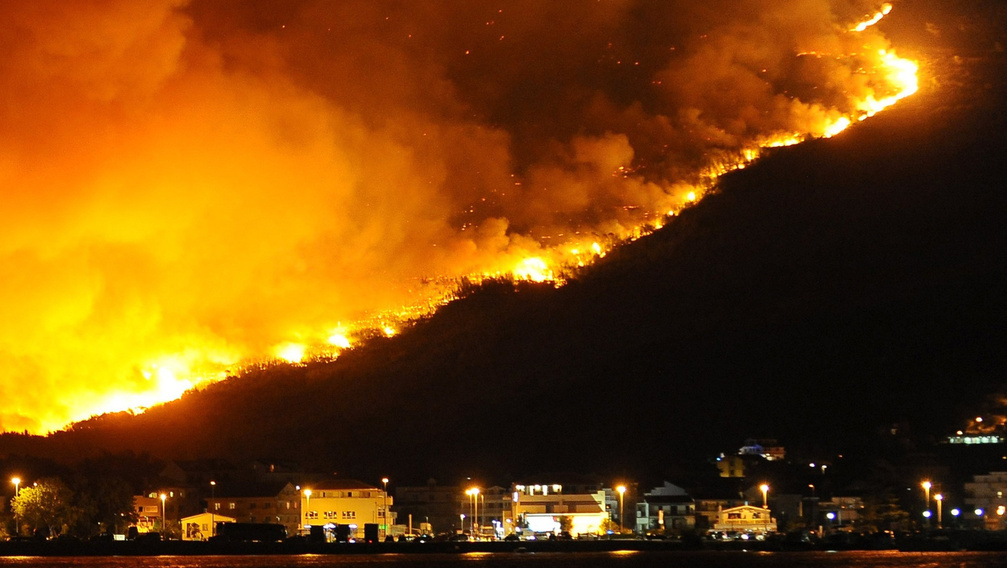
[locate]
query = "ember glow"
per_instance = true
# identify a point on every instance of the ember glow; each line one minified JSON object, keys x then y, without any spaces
{"x":194,"y":186}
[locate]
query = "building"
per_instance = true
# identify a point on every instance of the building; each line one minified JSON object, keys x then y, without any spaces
{"x":713,"y":496}
{"x":987,"y":497}
{"x":149,"y":516}
{"x":731,"y":466}
{"x":429,"y":508}
{"x":157,"y":514}
{"x":202,"y":526}
{"x":768,"y":449}
{"x":666,"y":509}
{"x":745,"y":519}
{"x":345,"y":502}
{"x":277,"y":502}
{"x":840,"y":512}
{"x":554,"y":508}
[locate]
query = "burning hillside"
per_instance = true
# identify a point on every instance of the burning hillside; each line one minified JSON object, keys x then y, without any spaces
{"x":191,"y":186}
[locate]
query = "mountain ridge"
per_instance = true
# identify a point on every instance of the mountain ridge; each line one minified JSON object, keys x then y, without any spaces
{"x":818,"y":296}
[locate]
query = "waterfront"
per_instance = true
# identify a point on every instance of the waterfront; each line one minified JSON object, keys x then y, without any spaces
{"x":620,"y":559}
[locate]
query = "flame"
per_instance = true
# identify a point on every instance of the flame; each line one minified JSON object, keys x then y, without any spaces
{"x":291,"y":352}
{"x":308,"y":203}
{"x":534,"y":269}
{"x":339,"y":339}
{"x":885,"y":9}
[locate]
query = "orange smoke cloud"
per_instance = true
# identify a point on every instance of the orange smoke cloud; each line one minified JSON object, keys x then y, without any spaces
{"x":191,"y":185}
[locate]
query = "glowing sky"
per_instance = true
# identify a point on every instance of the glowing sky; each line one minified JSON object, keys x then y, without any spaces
{"x":189,"y":185}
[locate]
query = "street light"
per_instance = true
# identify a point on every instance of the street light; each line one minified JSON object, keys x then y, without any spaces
{"x":474,"y":494}
{"x":622,"y":491}
{"x":213,"y":497}
{"x":307,"y":505}
{"x":939,"y":498}
{"x":765,"y":494}
{"x":17,"y":488}
{"x":163,"y":526}
{"x":926,"y":491}
{"x":384,"y":484}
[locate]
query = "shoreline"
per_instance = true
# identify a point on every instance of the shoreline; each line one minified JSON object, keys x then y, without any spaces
{"x":943,"y":541}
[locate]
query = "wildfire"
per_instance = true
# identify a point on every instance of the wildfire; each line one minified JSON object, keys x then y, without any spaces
{"x":291,"y":352}
{"x":339,"y":339}
{"x":324,"y":221}
{"x":885,"y":9}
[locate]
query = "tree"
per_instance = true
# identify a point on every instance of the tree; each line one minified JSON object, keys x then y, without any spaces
{"x":882,"y":512}
{"x":565,"y":523}
{"x":48,"y":504}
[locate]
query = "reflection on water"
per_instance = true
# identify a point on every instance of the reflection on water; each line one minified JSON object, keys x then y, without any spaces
{"x":886,"y":559}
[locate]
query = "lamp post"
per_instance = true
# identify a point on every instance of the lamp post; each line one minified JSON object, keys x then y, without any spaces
{"x":307,"y":505}
{"x":213,"y":497}
{"x":926,"y":491}
{"x":939,"y":498}
{"x":474,"y":494}
{"x":475,"y":513}
{"x":17,"y":489}
{"x":163,"y":517}
{"x":622,"y":492}
{"x":384,"y":484}
{"x":765,"y":495}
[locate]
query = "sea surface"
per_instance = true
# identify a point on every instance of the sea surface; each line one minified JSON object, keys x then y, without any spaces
{"x":709,"y":559}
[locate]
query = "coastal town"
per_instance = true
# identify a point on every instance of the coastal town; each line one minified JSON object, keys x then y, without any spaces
{"x":754,"y":495}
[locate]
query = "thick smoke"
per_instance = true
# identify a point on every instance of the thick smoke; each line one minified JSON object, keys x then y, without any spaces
{"x":186,"y":185}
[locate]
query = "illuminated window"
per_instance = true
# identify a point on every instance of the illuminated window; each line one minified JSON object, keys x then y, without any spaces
{"x":216,"y":506}
{"x":349,"y":514}
{"x":231,"y":506}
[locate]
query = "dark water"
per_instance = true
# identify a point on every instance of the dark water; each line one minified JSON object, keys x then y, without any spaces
{"x":542,"y":560}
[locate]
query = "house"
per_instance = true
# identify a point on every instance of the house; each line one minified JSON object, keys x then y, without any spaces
{"x":345,"y":502}
{"x":263,"y":502}
{"x":159,"y":511}
{"x":746,"y":519}
{"x":714,"y":495}
{"x":665,"y":509}
{"x":554,"y":507}
{"x":202,"y":526}
{"x":149,"y":516}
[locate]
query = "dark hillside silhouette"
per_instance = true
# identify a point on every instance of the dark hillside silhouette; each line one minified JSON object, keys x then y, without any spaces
{"x":818,"y":297}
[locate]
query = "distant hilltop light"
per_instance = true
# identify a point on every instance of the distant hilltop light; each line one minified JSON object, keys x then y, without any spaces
{"x":958,"y":438}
